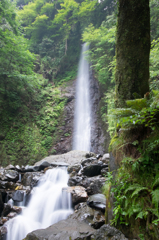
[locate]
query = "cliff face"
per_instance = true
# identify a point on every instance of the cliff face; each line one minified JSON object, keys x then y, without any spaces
{"x":64,"y":133}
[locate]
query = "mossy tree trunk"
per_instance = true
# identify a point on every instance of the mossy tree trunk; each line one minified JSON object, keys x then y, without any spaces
{"x":132,"y":50}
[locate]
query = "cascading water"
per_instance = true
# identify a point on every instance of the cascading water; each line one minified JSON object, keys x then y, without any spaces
{"x":48,"y":205}
{"x":82,"y":122}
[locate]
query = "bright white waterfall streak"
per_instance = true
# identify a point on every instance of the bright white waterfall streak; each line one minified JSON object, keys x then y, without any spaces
{"x":48,"y":205}
{"x":82,"y":126}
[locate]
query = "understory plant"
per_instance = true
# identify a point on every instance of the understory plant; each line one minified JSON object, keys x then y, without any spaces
{"x":135,"y":146}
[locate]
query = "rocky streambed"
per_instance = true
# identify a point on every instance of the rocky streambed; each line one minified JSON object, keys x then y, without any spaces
{"x":88,"y":173}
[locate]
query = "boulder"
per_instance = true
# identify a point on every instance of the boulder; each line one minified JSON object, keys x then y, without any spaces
{"x":78,"y":194}
{"x":3,"y":232}
{"x":89,"y":161}
{"x":91,"y":170}
{"x":3,"y":220}
{"x":105,"y":158}
{"x":16,"y":209}
{"x":63,"y":230}
{"x":83,"y":212}
{"x":72,"y":157}
{"x":107,"y":232}
{"x":8,"y":175}
{"x":6,"y":209}
{"x":74,"y":168}
{"x":59,"y":164}
{"x":1,"y":203}
{"x":93,"y":185}
{"x":7,"y":185}
{"x":97,"y":201}
{"x":31,"y":178}
{"x":12,"y":215}
{"x":18,"y":196}
{"x":10,"y":167}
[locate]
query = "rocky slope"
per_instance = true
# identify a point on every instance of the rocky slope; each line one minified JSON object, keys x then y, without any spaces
{"x":88,"y":173}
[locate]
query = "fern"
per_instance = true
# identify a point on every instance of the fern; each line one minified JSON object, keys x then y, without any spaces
{"x":155,"y":198}
{"x":139,"y":189}
{"x":156,"y":183}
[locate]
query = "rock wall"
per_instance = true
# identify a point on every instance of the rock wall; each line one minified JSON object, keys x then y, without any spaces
{"x":64,"y":133}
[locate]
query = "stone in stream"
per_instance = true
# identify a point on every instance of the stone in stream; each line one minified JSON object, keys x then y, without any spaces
{"x":78,"y":194}
{"x":12,"y":215}
{"x":63,"y":230}
{"x":75,"y":168}
{"x":3,"y":232}
{"x":18,"y":196}
{"x":6,"y":210}
{"x":31,"y":178}
{"x":97,"y":201}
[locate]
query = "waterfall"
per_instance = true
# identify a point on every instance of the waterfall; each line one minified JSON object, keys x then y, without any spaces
{"x":82,"y":126}
{"x":48,"y":205}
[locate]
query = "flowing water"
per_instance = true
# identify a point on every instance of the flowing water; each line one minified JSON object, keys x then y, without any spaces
{"x":48,"y":205}
{"x":82,"y":122}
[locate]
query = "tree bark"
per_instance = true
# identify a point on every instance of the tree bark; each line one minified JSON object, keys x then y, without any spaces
{"x":132,"y":50}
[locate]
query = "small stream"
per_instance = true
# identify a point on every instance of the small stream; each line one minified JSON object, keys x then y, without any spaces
{"x":48,"y":205}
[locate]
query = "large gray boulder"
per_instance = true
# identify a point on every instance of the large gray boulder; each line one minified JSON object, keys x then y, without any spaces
{"x":107,"y":232}
{"x":84,"y":213}
{"x":63,"y":230}
{"x":72,"y":157}
{"x":31,"y":178}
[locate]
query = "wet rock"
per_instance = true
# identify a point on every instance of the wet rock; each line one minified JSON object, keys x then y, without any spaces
{"x":83,"y":212}
{"x":91,"y":170}
{"x":97,"y":201}
{"x":3,"y":232}
{"x":74,"y":168}
{"x":104,"y":171}
{"x":3,"y":220}
{"x":98,"y":156}
{"x":31,"y":179}
{"x":43,"y":165}
{"x":93,"y":185}
{"x":18,"y":168}
{"x":16,"y":209}
{"x":8,"y":175}
{"x":73,"y":181}
{"x":89,"y":161}
{"x":12,"y":215}
{"x":78,"y":194}
{"x":18,"y":196}
{"x":59,"y":164}
{"x":11,"y":175}
{"x":1,"y":203}
{"x":105,"y":158}
{"x":107,"y":232}
{"x":63,"y":230}
{"x":10,"y":167}
{"x":72,"y":157}
{"x":96,"y":184}
{"x":7,"y":185}
{"x":90,"y":154}
{"x":6,"y":209}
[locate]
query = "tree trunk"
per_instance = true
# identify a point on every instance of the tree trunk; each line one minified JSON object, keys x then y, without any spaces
{"x":132,"y":50}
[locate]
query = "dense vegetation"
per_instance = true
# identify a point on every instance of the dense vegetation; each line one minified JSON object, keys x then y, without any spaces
{"x":40,"y":46}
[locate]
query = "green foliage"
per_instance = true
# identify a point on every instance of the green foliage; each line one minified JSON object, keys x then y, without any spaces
{"x":102,"y":49}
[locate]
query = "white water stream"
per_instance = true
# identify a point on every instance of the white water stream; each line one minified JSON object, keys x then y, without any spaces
{"x":82,"y":122}
{"x":48,"y":205}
